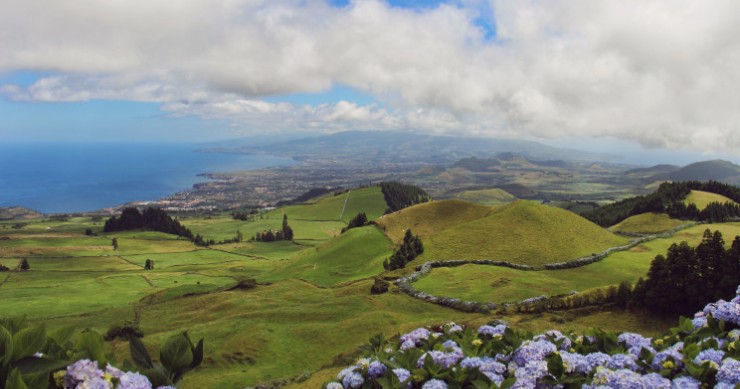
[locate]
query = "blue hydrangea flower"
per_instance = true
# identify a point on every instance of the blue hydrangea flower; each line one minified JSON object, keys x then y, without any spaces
{"x":556,"y":336}
{"x":729,"y":372}
{"x":452,"y":328}
{"x":531,"y":372}
{"x":345,"y":372}
{"x":711,"y":355}
{"x":131,"y":380}
{"x":376,"y":369}
{"x":100,"y":383}
{"x":618,"y":379}
{"x":413,"y":338}
{"x":483,"y":364}
{"x":597,"y":359}
{"x":450,"y":345}
{"x":623,"y":361}
{"x":402,"y":374}
{"x":656,"y":381}
{"x":685,"y":382}
{"x":353,"y":380}
{"x":724,"y":310}
{"x":334,"y":385}
{"x":664,"y":356}
{"x":440,"y":358}
{"x":699,"y":322}
{"x":533,"y":351}
{"x":434,"y":384}
{"x":491,"y":330}
{"x":575,"y":363}
{"x":82,"y":370}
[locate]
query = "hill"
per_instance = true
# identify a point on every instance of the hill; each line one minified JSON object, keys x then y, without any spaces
{"x":701,"y":198}
{"x":430,"y":218}
{"x":489,"y":197}
{"x":18,"y":213}
{"x":330,"y":206}
{"x":717,"y":170}
{"x":523,"y":232}
{"x":657,"y":169}
{"x":356,"y":254}
{"x":646,"y":223}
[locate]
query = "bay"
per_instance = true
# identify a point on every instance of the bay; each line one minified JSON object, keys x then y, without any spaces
{"x":77,"y":177}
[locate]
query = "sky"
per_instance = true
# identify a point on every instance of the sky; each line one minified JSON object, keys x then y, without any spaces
{"x":650,"y":75}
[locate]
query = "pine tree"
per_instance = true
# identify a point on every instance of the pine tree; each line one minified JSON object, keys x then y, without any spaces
{"x":24,"y":264}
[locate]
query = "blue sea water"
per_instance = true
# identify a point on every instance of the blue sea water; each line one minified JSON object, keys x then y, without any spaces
{"x":75,"y":177}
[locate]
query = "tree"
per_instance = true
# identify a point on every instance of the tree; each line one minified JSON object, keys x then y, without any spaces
{"x":239,"y":236}
{"x":287,"y":231}
{"x":88,"y":232}
{"x":357,"y":221}
{"x":24,"y":264}
{"x":149,"y":264}
{"x":114,"y":242}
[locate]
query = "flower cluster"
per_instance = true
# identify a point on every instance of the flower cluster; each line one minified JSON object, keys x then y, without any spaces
{"x":702,"y":352}
{"x":85,"y":374}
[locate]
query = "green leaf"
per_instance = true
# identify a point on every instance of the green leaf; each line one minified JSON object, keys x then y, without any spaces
{"x":15,"y":381}
{"x":478,"y":384}
{"x":31,"y":365}
{"x":28,"y":341}
{"x":508,"y":383}
{"x":176,"y":353}
{"x":139,"y":354}
{"x":62,"y":335}
{"x":555,"y":365}
{"x":6,"y":346}
{"x":197,"y":355}
{"x":90,"y":345}
{"x":157,"y":377}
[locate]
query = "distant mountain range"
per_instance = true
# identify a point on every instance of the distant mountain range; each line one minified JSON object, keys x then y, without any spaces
{"x":405,"y":146}
{"x":717,"y":170}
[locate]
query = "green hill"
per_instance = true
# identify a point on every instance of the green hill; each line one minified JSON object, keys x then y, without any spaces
{"x":356,"y":254}
{"x":329,"y":207}
{"x":486,"y":196}
{"x":523,"y":232}
{"x":430,"y":218}
{"x":702,"y":198}
{"x":647,"y":223}
{"x":717,"y":169}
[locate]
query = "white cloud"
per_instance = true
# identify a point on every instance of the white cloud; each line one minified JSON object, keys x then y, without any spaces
{"x":663,"y":73}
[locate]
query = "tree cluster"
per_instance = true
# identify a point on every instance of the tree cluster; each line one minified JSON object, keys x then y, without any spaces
{"x":687,"y":278}
{"x":358,"y":221}
{"x":285,"y":233}
{"x":399,"y":196}
{"x":669,"y":199}
{"x":244,"y":215}
{"x":410,"y":249}
{"x":153,"y":219}
{"x":3,"y":267}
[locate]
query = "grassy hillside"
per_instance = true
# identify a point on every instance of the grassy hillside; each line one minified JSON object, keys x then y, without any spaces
{"x":329,"y":207}
{"x":646,"y":223}
{"x":430,"y":218}
{"x":702,"y":199}
{"x":356,"y":254}
{"x":486,"y":196}
{"x":523,"y":232}
{"x":499,"y":284}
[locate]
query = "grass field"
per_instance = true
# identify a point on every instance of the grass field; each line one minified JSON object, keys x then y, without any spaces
{"x":430,"y":218}
{"x":702,"y":199}
{"x":523,"y":232}
{"x":329,"y":207}
{"x":498,"y":284}
{"x":647,"y":223}
{"x":488,"y":197}
{"x":312,"y":306}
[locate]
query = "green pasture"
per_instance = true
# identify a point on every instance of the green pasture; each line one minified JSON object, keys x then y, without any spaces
{"x":647,"y":223}
{"x":702,"y":199}
{"x":498,"y":284}
{"x":358,"y":253}
{"x":329,"y":207}
{"x":523,"y":232}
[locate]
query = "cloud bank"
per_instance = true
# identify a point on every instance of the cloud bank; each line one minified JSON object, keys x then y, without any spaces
{"x":662,"y":73}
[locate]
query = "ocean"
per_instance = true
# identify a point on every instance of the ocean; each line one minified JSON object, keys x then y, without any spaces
{"x":76,"y":177}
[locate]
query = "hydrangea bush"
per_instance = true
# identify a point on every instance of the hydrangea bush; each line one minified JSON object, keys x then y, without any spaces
{"x":86,"y":374}
{"x":702,"y":352}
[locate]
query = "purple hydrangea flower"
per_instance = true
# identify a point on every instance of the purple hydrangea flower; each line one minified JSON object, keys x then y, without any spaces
{"x":729,"y":372}
{"x":662,"y":357}
{"x":484,"y":364}
{"x":656,"y":381}
{"x":376,"y":369}
{"x":130,"y":380}
{"x":440,"y":358}
{"x":623,"y":361}
{"x":574,"y":362}
{"x":100,"y":383}
{"x":413,"y":338}
{"x":434,"y":384}
{"x":450,"y":345}
{"x":345,"y":372}
{"x":711,"y":355}
{"x":618,"y":379}
{"x":531,"y":372}
{"x":353,"y":380}
{"x":724,"y":310}
{"x":82,"y":370}
{"x":334,"y":385}
{"x":685,"y":382}
{"x":556,"y":336}
{"x":699,"y":322}
{"x":533,"y":351}
{"x":452,"y":327}
{"x":402,"y":374}
{"x":491,"y":330}
{"x":597,"y":359}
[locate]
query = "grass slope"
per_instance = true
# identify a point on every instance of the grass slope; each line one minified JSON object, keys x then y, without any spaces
{"x":356,"y":254}
{"x":488,"y":197}
{"x":523,"y":232}
{"x":646,"y":223}
{"x":499,"y":284}
{"x":430,"y":218}
{"x":702,"y":199}
{"x":329,"y":207}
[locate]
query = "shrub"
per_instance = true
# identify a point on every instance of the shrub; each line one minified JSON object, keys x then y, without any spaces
{"x":380,"y":286}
